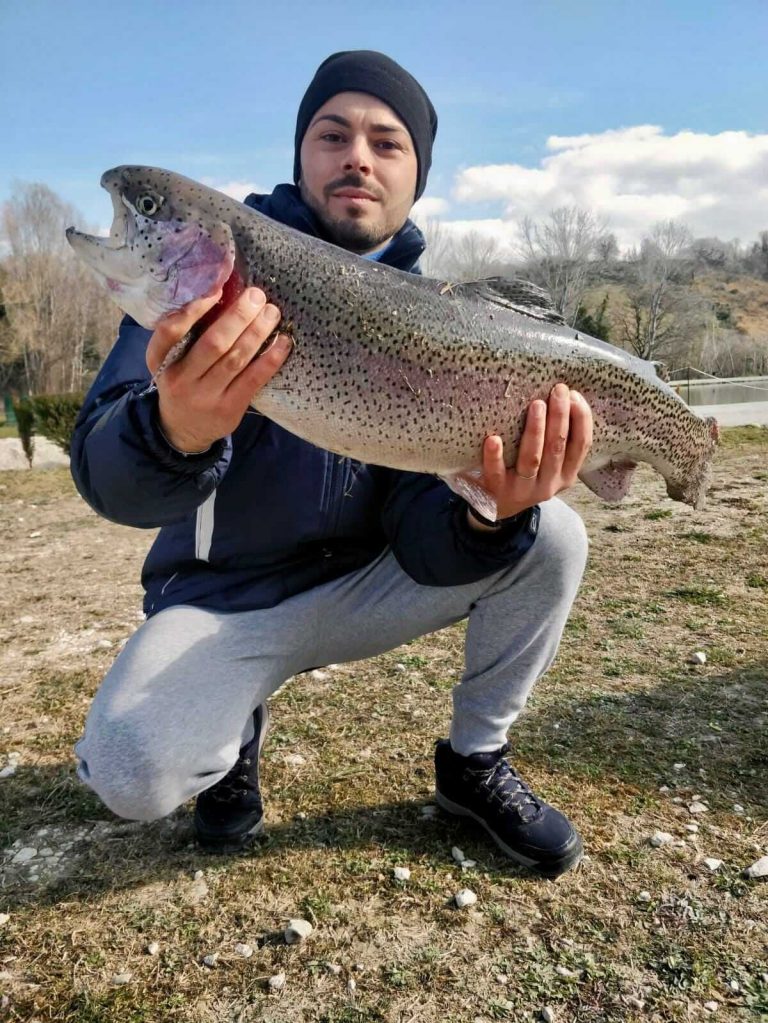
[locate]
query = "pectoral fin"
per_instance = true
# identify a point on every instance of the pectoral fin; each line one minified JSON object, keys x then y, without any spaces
{"x":467,"y":485}
{"x":612,"y":482}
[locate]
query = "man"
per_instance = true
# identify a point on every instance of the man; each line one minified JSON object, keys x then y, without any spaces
{"x":275,"y":557}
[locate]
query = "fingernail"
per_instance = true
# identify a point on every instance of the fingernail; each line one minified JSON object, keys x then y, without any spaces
{"x":284,"y":341}
{"x":576,"y":396}
{"x":271,"y":314}
{"x":256,"y":296}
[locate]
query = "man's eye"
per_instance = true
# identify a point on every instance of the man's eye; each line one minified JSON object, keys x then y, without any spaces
{"x":388,"y":144}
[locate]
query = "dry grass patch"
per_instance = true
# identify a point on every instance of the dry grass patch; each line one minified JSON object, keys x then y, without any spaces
{"x":623,"y":733}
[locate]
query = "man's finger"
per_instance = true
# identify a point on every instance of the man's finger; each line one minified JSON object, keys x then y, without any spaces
{"x":494,"y":469}
{"x":172,"y":328}
{"x":245,"y":386}
{"x":233,"y":362}
{"x":529,"y":453}
{"x":223,"y":333}
{"x":556,"y":438}
{"x":579,"y":437}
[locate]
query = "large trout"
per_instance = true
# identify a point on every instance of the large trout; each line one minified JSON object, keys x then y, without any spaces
{"x":388,"y":367}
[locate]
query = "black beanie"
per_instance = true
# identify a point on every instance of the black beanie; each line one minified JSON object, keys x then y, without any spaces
{"x":378,"y":75}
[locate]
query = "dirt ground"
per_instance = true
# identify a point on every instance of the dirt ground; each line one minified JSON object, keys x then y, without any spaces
{"x":625,"y":733}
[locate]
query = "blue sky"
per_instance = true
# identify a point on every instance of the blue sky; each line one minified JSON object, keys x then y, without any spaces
{"x":211,"y":90}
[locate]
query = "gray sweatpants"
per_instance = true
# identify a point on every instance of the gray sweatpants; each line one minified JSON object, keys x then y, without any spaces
{"x":172,"y":713}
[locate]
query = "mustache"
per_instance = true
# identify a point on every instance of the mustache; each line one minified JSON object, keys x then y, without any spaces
{"x":351,"y":181}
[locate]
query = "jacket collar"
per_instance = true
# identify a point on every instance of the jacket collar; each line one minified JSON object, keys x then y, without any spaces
{"x":285,"y":205}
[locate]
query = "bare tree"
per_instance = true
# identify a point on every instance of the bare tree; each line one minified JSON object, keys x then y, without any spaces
{"x":55,"y":310}
{"x":662,"y":315}
{"x":437,"y":257}
{"x":557,"y":252}
{"x":474,"y":255}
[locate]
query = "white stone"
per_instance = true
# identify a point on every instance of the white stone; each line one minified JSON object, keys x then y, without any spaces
{"x":465,"y":898}
{"x":333,"y":968}
{"x":758,"y":869}
{"x":244,"y":949}
{"x":660,"y":838}
{"x":644,"y":897}
{"x":4,"y":918}
{"x":678,"y":767}
{"x":664,"y":790}
{"x":294,"y":759}
{"x":501,"y":978}
{"x":635,"y":1003}
{"x":693,"y":828}
{"x":35,"y":534}
{"x":563,"y":971}
{"x":8,"y":772}
{"x":300,"y":816}
{"x":428,"y":811}
{"x":153,"y":948}
{"x":711,"y":1006}
{"x":402,"y":873}
{"x":25,"y":855}
{"x":276,"y":983}
{"x":738,"y":808}
{"x":712,"y":863}
{"x":697,"y":657}
{"x":122,"y":978}
{"x":734,"y":986}
{"x":211,"y":960}
{"x":351,"y":985}
{"x":296,"y":931}
{"x":318,"y":676}
{"x":104,"y":644}
{"x":698,"y":807}
{"x":198,"y":875}
{"x":400,"y":667}
{"x":468,"y":864}
{"x":547,"y":1015}
{"x":14,"y":758}
{"x":458,"y":854}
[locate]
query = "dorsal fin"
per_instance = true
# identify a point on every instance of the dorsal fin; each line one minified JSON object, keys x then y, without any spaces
{"x":513,"y":293}
{"x":662,"y":370}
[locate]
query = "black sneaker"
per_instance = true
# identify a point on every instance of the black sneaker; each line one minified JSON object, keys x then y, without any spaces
{"x":229,"y":815}
{"x":483,"y":786}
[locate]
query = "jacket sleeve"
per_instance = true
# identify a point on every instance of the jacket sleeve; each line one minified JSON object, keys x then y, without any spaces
{"x":426,"y":526}
{"x":121,"y":463}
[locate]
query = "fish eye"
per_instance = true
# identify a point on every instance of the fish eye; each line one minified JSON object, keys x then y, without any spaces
{"x":147,"y":204}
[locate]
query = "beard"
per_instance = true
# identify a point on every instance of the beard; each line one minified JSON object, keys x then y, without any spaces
{"x":351,"y":232}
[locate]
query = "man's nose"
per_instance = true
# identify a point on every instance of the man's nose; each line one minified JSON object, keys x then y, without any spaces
{"x":357,"y":155}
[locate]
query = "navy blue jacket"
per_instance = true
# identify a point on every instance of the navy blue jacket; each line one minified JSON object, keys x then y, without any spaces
{"x":263,"y":515}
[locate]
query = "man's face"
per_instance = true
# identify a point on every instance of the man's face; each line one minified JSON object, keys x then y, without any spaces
{"x":358,"y":171}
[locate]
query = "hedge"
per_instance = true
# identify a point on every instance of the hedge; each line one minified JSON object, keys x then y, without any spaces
{"x":52,"y":415}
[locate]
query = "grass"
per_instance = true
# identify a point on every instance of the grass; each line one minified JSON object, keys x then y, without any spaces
{"x":622,"y":733}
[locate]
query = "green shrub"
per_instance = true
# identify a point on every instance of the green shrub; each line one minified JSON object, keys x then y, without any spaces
{"x":25,"y":424}
{"x":55,"y":416}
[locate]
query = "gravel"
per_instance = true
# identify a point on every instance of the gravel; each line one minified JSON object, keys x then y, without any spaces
{"x":297,"y":931}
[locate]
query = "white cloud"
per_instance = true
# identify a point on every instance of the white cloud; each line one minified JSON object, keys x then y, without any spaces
{"x":716,"y":184}
{"x":427,"y":207}
{"x":236,"y":189}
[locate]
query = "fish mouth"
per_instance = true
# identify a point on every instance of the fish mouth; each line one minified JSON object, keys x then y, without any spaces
{"x":103,"y":254}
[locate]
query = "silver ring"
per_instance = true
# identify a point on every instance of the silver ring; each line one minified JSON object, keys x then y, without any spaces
{"x":524,"y":477}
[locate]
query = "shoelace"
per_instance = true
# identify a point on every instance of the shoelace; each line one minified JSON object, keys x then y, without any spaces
{"x":235,"y":784}
{"x":504,"y":784}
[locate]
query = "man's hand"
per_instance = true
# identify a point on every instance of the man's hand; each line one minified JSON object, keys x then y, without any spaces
{"x":204,"y":396}
{"x":556,"y":440}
